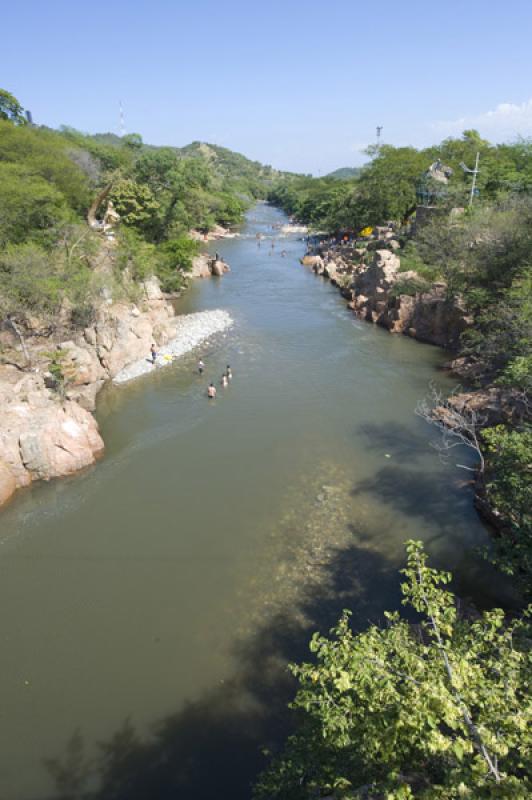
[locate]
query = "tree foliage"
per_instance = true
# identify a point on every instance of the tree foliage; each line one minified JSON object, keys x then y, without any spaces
{"x":509,"y":489}
{"x":385,"y":188}
{"x":439,"y":709}
{"x":10,"y":108}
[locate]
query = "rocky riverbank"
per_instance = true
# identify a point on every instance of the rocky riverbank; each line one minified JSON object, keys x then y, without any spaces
{"x":47,"y":429}
{"x":370,"y":277}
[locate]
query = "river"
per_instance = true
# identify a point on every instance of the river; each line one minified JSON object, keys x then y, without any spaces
{"x":166,"y":588}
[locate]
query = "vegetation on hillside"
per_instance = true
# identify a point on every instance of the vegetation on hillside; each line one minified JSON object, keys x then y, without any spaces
{"x":48,"y":181}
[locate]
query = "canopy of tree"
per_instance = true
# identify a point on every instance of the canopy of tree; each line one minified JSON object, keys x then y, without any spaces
{"x":436,"y":709}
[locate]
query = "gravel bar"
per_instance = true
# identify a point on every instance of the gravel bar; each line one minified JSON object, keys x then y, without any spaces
{"x":191,"y":331}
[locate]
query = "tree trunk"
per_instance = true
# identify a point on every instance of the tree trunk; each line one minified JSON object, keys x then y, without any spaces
{"x":91,"y":214}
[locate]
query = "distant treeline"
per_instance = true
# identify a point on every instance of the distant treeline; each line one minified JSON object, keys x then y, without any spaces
{"x":386,"y":187}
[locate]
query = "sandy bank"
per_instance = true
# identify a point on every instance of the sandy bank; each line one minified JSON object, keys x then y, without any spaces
{"x":191,"y":331}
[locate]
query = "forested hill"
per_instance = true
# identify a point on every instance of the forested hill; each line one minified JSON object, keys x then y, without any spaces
{"x":344,"y":172}
{"x":49,"y":179}
{"x":241,"y":172}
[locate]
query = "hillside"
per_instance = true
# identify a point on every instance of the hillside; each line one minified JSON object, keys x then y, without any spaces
{"x":345,"y":172}
{"x":49,"y":179}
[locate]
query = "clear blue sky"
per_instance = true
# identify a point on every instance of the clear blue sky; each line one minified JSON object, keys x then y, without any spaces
{"x":300,"y":85}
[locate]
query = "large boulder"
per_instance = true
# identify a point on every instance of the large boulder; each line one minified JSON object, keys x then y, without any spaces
{"x":312,"y":261}
{"x":80,"y":364}
{"x":437,"y":319}
{"x":59,"y":440}
{"x":219,"y":268}
{"x":40,"y":435}
{"x":8,"y":483}
{"x":152,"y":289}
{"x":201,"y":266}
{"x":382,"y":273}
{"x":124,"y":336}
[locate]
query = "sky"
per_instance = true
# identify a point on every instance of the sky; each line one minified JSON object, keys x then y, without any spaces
{"x":297,"y":84}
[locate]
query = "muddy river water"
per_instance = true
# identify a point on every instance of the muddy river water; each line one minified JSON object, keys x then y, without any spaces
{"x":150,"y":604}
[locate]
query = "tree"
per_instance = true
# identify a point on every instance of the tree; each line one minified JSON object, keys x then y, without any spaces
{"x":509,"y":491}
{"x":10,"y":108}
{"x":135,"y":203}
{"x":133,"y":141}
{"x":458,"y":423}
{"x":439,"y":709}
{"x":30,"y":207}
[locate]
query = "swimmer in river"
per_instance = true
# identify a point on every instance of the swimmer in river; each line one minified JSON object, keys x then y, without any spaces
{"x":211,"y":391}
{"x":229,"y":373}
{"x":153,"y":352}
{"x":201,"y":367}
{"x":224,"y":380}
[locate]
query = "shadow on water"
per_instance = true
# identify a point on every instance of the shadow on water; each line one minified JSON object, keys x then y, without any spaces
{"x":394,"y":438}
{"x":212,"y":747}
{"x":416,"y":495}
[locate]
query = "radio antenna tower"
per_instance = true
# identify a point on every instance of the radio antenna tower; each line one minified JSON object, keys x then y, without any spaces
{"x":379,"y":130}
{"x":122,"y":120}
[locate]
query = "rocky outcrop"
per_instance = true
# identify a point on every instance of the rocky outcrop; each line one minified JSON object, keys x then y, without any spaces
{"x":370,"y":278}
{"x":42,"y":435}
{"x":218,"y":232}
{"x":8,"y":483}
{"x":426,"y":316}
{"x":46,"y":428}
{"x":201,"y":266}
{"x":493,"y":405}
{"x":219,"y":267}
{"x":204,"y":266}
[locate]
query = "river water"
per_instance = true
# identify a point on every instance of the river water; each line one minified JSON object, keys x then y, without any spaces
{"x":165,"y":589}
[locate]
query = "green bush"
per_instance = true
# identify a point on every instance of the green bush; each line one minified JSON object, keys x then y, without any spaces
{"x":509,"y":490}
{"x":409,"y":286}
{"x":174,"y":259}
{"x":439,"y":710}
{"x":30,"y":207}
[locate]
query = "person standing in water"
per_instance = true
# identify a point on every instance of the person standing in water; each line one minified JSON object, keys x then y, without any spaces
{"x":153,"y":352}
{"x":228,"y":373}
{"x":225,"y":382}
{"x":201,"y":367}
{"x":211,"y":391}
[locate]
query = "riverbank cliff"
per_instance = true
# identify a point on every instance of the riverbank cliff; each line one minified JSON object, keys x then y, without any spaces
{"x":49,"y":378}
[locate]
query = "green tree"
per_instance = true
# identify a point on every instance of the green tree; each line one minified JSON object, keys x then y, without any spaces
{"x":439,"y":709}
{"x":30,"y":206}
{"x":509,"y":490}
{"x":135,"y":203}
{"x":10,"y":108}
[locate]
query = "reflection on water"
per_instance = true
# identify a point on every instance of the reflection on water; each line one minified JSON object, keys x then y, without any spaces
{"x":166,"y":588}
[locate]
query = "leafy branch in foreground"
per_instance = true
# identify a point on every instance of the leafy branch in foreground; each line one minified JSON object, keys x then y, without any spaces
{"x":434,"y":710}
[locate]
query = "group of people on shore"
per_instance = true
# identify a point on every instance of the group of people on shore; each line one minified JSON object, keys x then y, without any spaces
{"x":227,"y":376}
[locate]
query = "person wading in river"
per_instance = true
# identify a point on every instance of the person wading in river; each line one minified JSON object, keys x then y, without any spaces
{"x":211,"y":391}
{"x":201,"y":367}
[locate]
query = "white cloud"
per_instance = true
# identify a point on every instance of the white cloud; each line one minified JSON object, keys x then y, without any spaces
{"x":506,"y":121}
